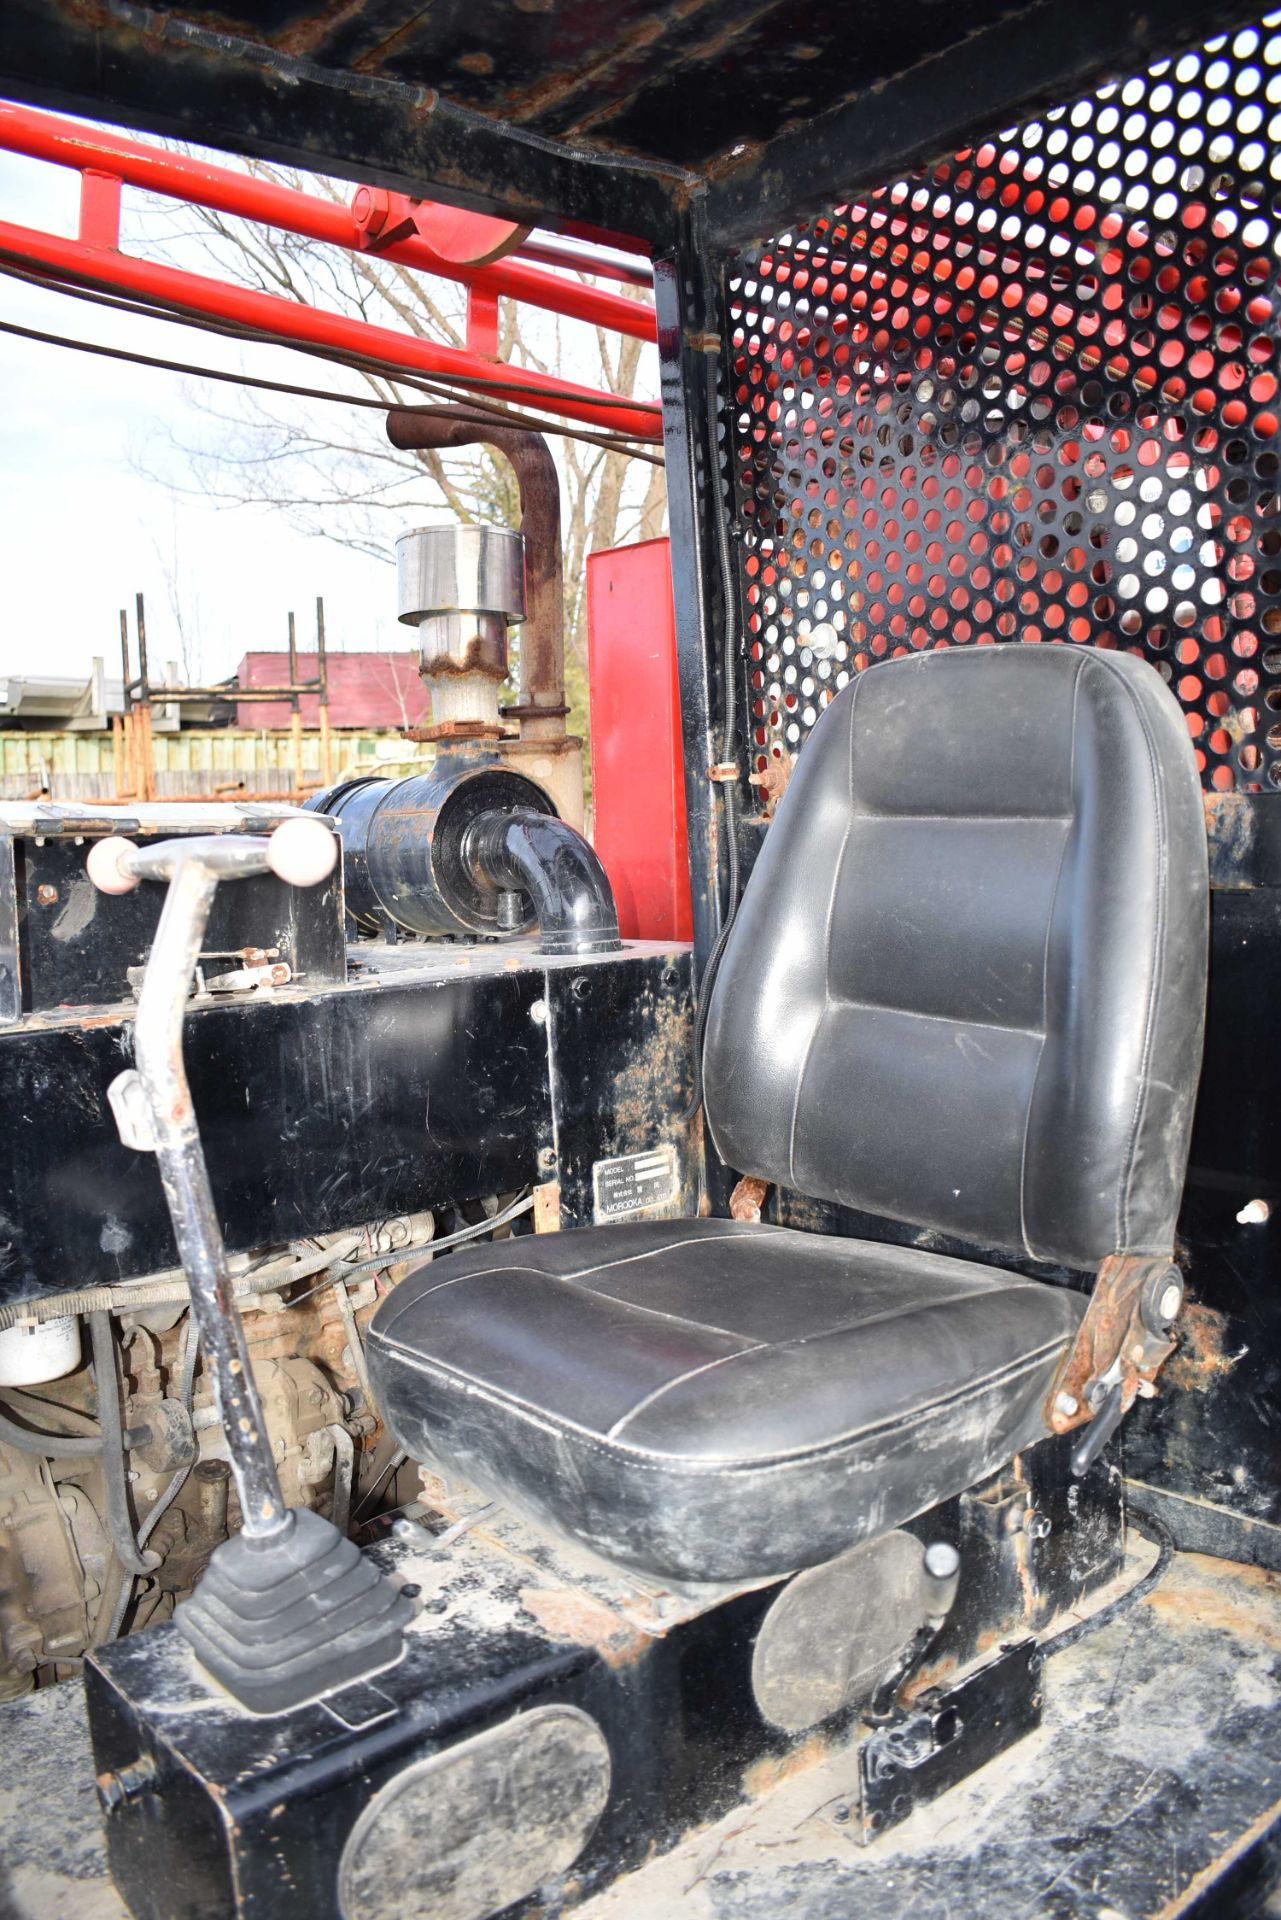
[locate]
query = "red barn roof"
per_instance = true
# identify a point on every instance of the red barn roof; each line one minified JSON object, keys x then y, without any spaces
{"x":365,"y":690}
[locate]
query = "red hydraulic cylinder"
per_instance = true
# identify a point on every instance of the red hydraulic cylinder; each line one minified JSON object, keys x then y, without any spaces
{"x":638,"y":777}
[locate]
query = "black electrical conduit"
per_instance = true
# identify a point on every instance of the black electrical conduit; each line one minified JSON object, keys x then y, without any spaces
{"x":1124,"y":1601}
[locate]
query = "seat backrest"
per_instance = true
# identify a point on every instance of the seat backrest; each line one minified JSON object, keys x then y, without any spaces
{"x":965,"y":987}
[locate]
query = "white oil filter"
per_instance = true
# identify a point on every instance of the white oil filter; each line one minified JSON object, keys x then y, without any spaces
{"x":39,"y":1350}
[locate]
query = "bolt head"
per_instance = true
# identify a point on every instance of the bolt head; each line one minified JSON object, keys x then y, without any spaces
{"x":1067,"y":1404}
{"x":1171,"y":1300}
{"x":941,"y":1560}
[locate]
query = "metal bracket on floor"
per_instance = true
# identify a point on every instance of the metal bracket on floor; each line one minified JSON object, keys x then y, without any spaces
{"x":941,"y":1738}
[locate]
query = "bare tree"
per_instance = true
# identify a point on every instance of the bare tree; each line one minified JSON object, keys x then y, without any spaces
{"x":185,"y":612}
{"x":336,"y":474}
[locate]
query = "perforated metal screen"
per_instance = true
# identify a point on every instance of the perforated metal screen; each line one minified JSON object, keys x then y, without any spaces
{"x":1031,"y":395}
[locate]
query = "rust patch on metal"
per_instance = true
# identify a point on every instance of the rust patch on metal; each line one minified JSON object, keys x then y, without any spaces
{"x":748,"y":1198}
{"x":1111,"y":1333}
{"x":576,"y":1617}
{"x":707,"y":52}
{"x":552,"y":88}
{"x":643,"y":1091}
{"x":773,"y":781}
{"x":942,"y":1673}
{"x":1208,"y":1604}
{"x":375,"y":58}
{"x":1229,"y":827}
{"x":547,"y":1208}
{"x":478,"y":62}
{"x":1201,"y":1356}
{"x":764,"y":1775}
{"x":452,"y":730}
{"x":307,"y":36}
{"x":477,"y":657}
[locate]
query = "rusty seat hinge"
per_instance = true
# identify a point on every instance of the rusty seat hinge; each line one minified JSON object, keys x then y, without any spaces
{"x":748,"y":1198}
{"x":1120,"y":1345}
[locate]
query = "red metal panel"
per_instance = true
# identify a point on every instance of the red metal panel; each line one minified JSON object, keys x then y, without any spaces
{"x":365,"y":690}
{"x":638,"y":778}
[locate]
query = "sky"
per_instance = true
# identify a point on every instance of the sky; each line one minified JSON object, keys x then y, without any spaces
{"x":86,"y":517}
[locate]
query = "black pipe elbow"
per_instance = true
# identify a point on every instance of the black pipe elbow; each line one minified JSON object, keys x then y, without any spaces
{"x":536,"y":854}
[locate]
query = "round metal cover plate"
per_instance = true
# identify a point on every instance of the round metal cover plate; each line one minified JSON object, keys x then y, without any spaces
{"x":466,"y":1832}
{"x":834,"y":1631}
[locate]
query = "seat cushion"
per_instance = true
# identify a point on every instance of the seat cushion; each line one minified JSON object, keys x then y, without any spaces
{"x":707,"y":1400}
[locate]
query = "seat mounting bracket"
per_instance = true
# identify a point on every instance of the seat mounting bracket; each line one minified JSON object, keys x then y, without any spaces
{"x":1120,"y":1345}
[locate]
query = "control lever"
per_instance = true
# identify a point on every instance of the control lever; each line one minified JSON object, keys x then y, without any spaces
{"x":941,"y":1570}
{"x":289,"y":1608}
{"x":1110,"y":1414}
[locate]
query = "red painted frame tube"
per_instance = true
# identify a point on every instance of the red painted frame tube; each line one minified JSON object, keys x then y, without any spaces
{"x":66,"y":143}
{"x":266,"y":313}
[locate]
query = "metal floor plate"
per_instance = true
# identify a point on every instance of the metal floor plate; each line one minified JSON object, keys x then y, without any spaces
{"x":1158,"y":1761}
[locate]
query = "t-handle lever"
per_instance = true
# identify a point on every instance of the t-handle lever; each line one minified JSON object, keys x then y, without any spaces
{"x":289,"y":1608}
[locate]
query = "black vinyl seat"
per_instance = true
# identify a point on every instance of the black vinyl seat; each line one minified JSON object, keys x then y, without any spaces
{"x":964,"y":990}
{"x":724,"y":1401}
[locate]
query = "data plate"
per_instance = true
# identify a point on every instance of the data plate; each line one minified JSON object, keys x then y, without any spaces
{"x":636,"y":1183}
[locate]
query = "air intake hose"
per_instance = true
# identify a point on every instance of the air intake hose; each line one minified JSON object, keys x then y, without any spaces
{"x":536,"y":854}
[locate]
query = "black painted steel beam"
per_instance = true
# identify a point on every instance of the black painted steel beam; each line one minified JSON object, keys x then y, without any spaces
{"x":148,"y":70}
{"x":1042,"y":57}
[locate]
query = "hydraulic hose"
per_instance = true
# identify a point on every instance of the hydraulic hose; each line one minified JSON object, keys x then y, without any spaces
{"x":54,"y":1446}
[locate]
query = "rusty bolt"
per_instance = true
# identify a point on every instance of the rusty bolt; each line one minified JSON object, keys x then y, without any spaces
{"x":114,"y":1789}
{"x":546,"y":1159}
{"x":46,"y":894}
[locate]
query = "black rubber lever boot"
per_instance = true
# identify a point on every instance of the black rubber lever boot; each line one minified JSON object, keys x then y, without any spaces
{"x":284,"y":1617}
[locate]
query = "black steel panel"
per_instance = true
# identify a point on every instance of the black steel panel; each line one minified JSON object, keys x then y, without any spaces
{"x":944,"y":89}
{"x":1214,"y":1432}
{"x":684,"y":309}
{"x":316,"y":1113}
{"x":195,"y":80}
{"x":78,"y":944}
{"x":773,"y":104}
{"x":621,"y":1072}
